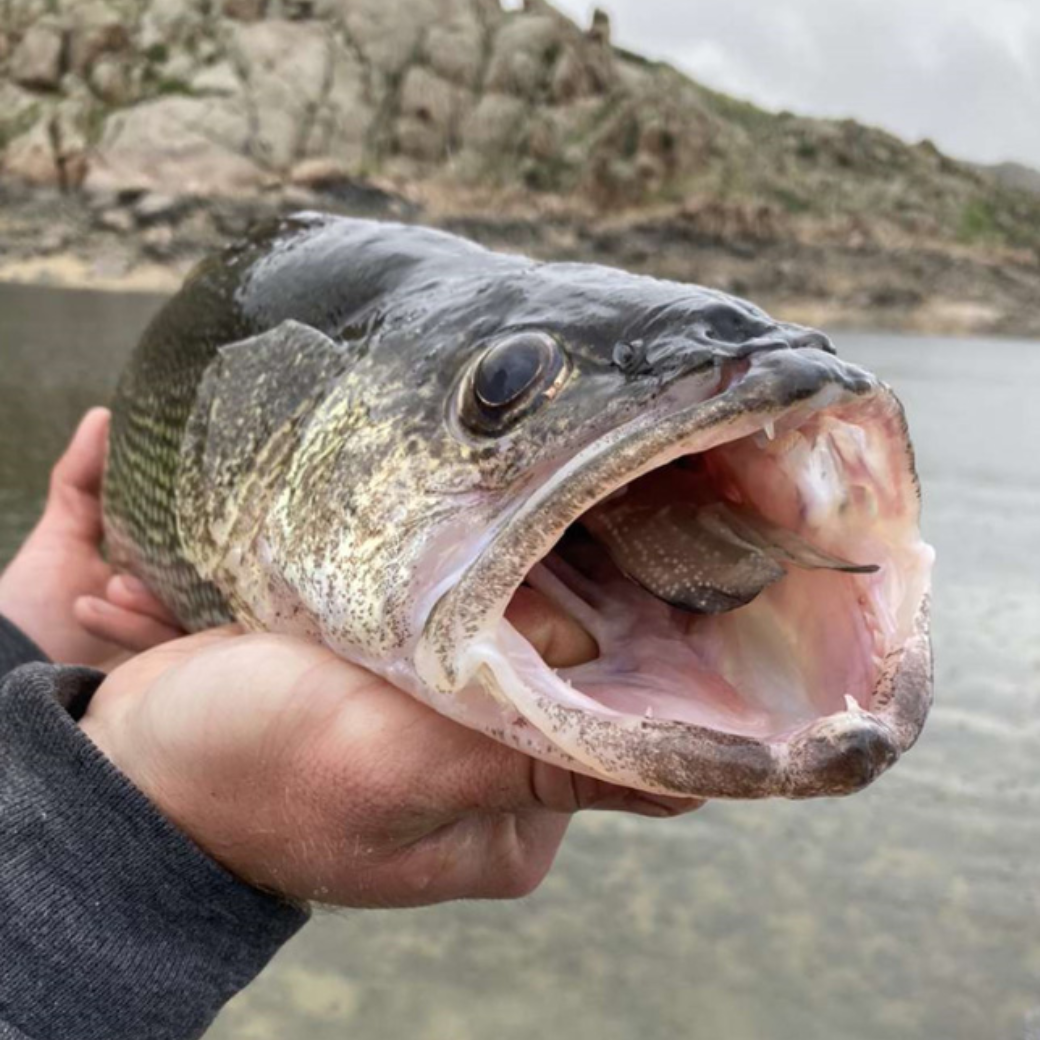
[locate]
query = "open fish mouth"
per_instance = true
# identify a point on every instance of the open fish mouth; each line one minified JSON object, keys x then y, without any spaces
{"x":744,"y":570}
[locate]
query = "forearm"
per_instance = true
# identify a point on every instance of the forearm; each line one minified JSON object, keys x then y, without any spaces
{"x":112,"y":923}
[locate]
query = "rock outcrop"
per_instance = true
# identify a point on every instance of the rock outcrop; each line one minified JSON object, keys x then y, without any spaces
{"x":212,"y":98}
{"x":164,"y":117}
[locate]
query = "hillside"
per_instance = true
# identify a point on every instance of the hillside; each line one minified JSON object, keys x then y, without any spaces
{"x":135,"y":133}
{"x":1015,"y":176}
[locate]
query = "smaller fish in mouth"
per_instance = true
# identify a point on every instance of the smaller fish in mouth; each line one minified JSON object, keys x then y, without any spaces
{"x":679,"y":540}
{"x":636,"y":528}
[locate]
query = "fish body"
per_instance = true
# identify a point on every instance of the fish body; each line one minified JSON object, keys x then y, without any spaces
{"x":374,"y":436}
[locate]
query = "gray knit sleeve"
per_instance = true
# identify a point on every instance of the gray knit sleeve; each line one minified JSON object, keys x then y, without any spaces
{"x":113,"y":924}
{"x":16,"y":648}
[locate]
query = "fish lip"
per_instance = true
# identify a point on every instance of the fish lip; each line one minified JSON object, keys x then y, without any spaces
{"x":834,"y":755}
{"x":842,"y":754}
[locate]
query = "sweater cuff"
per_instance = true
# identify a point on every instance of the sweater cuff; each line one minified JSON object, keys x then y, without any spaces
{"x":16,"y":648}
{"x":112,"y":922}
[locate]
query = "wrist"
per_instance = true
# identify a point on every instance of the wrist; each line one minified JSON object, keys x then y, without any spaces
{"x":172,"y":794}
{"x":21,"y":622}
{"x":131,"y":766}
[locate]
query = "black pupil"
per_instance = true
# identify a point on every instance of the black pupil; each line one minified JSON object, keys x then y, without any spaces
{"x":509,"y":369}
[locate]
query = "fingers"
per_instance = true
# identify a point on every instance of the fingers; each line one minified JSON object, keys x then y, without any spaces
{"x":555,"y":635}
{"x":83,"y":463}
{"x":655,"y":806}
{"x":129,"y":615}
{"x":561,"y":790}
{"x":126,"y":628}
{"x":133,"y":676}
{"x":75,"y":488}
{"x":130,"y":593}
{"x":503,"y":846}
{"x":504,"y":856}
{"x":490,"y":777}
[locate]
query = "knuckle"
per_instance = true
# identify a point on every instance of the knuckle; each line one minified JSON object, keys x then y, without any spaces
{"x":525,"y":852}
{"x":561,"y":790}
{"x":518,"y":880}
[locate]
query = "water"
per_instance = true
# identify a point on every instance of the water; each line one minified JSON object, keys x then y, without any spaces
{"x":909,"y":911}
{"x":60,"y":353}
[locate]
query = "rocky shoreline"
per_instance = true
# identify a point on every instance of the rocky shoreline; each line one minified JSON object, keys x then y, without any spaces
{"x":138,"y":135}
{"x":147,"y":242}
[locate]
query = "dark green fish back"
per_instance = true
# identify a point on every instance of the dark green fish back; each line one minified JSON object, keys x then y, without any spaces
{"x":153,"y":401}
{"x":318,"y":270}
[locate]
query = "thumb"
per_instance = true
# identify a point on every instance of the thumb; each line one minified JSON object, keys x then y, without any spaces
{"x":83,"y":462}
{"x":74,"y":498}
{"x":134,"y":676}
{"x":495,"y":778}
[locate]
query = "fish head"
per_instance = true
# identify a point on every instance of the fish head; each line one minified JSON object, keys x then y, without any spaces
{"x":726,"y":511}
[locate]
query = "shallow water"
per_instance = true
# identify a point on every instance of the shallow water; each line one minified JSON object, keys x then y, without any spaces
{"x":909,"y":911}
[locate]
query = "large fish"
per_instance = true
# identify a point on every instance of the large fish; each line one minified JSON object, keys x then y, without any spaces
{"x":399,"y":443}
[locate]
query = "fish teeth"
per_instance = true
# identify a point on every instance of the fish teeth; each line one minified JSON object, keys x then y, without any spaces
{"x":852,"y":705}
{"x":770,"y":430}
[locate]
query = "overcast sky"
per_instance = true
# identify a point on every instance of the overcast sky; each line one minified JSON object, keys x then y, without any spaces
{"x":965,"y":73}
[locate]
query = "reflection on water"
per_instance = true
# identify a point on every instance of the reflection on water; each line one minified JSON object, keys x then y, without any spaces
{"x":910,"y":911}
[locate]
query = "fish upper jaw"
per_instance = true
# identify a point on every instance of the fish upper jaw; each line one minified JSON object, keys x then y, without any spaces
{"x":758,"y":732}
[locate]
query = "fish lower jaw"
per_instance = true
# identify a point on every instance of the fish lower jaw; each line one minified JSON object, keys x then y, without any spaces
{"x":668,"y":685}
{"x":829,"y":755}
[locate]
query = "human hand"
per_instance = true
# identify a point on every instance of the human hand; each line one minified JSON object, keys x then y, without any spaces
{"x":307,"y":776}
{"x":59,"y":590}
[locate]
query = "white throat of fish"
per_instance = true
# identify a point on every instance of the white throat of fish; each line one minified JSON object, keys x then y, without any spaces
{"x":750,"y":578}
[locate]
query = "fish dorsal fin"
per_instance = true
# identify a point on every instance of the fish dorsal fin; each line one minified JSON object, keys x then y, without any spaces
{"x":251,"y":403}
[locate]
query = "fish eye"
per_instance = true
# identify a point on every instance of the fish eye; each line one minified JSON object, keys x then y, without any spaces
{"x":516,"y":374}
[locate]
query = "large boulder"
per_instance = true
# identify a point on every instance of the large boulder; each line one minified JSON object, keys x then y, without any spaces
{"x":30,"y":156}
{"x":218,"y":97}
{"x":37,"y":60}
{"x":176,"y":145}
{"x":95,"y":30}
{"x":431,"y":109}
{"x":285,"y":68}
{"x":454,"y":49}
{"x":20,"y":110}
